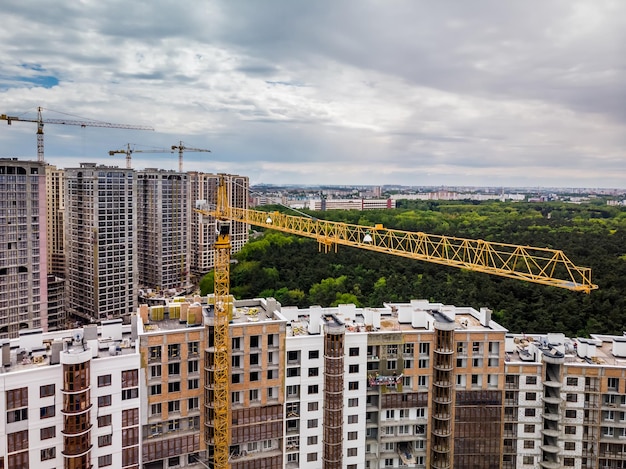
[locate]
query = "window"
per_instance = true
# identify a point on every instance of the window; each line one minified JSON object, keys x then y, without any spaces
{"x":192,"y":403}
{"x":531,"y":380}
{"x":235,"y":397}
{"x":312,"y":423}
{"x":313,"y":389}
{"x":173,"y":387}
{"x":353,"y":351}
{"x":47,"y":433}
{"x":48,"y":453}
{"x":104,"y":420}
{"x":352,"y":451}
{"x":353,"y":419}
{"x":475,"y":380}
{"x":392,"y":364}
{"x":390,"y":414}
{"x":312,"y":406}
{"x":173,"y":406}
{"x":236,"y":378}
{"x":408,"y":349}
{"x":572,"y":381}
{"x":132,"y":393}
{"x":155,"y":409}
{"x":571,"y":397}
{"x":312,"y":440}
{"x":254,"y":341}
{"x":314,"y":372}
{"x":461,"y":348}
{"x":104,"y":401}
{"x":193,"y":347}
{"x":130,"y":378}
{"x":422,"y":381}
{"x":422,"y":363}
{"x":236,"y":344}
{"x":154,"y":353}
{"x":173,"y":351}
{"x":531,"y":396}
{"x":173,"y":425}
{"x":254,"y":376}
{"x":568,"y":462}
{"x":313,"y":354}
{"x":104,"y":461}
{"x":293,"y":391}
{"x":192,"y":366}
{"x":529,"y":412}
{"x":104,"y":380}
{"x":254,"y":394}
{"x":528,"y":460}
{"x":293,"y":356}
{"x":529,"y":428}
{"x":353,"y":369}
{"x":353,"y":435}
{"x":46,"y":390}
{"x":529,"y":444}
{"x":254,"y":359}
{"x":570,"y":430}
{"x":570,"y":414}
{"x":570,"y":446}
{"x":173,"y":369}
{"x":353,"y":402}
{"x":155,"y":371}
{"x":155,"y":389}
{"x":613,"y":383}
{"x":193,"y":383}
{"x":105,"y":440}
{"x":294,"y":371}
{"x":46,"y":412}
{"x":311,"y":457}
{"x":353,"y":385}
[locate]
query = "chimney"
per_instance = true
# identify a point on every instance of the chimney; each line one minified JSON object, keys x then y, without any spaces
{"x":485,"y":316}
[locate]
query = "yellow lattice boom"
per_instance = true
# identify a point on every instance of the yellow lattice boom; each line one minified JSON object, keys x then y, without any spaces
{"x":532,"y":264}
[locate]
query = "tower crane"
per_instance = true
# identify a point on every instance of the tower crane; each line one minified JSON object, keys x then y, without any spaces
{"x":129,"y":151}
{"x":182,"y":148}
{"x":83,"y":123}
{"x":537,"y":265}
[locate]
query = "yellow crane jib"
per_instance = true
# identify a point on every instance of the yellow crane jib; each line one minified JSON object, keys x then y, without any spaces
{"x":532,"y":264}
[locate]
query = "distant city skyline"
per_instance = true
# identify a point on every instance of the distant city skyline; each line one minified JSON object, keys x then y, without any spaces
{"x":358,"y":92}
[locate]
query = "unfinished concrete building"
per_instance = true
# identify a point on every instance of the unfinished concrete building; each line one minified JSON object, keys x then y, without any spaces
{"x":163,"y":235}
{"x":203,"y":189}
{"x":23,"y":247}
{"x":101,"y":241}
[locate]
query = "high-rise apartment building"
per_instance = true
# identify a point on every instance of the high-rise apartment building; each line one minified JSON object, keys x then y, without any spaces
{"x":163,"y":235}
{"x":203,"y":187}
{"x":55,"y":205}
{"x":23,"y":248}
{"x":101,"y":241}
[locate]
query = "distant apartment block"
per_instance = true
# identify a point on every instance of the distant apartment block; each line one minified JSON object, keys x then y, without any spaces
{"x":163,"y":235}
{"x":203,"y":187}
{"x":23,"y":248}
{"x":101,"y":241}
{"x":350,"y":204}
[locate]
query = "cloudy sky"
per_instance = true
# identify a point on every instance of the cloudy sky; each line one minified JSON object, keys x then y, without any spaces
{"x":462,"y":92}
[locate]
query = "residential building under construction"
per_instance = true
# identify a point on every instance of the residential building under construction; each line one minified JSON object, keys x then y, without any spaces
{"x":415,"y":384}
{"x":101,"y":241}
{"x":23,"y":247}
{"x":203,"y":190}
{"x":163,"y":215}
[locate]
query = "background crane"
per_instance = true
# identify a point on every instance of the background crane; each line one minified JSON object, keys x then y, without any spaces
{"x":83,"y":123}
{"x":538,"y":265}
{"x":129,"y":151}
{"x":182,"y":148}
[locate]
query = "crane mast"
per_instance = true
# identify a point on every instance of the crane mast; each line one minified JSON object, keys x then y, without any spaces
{"x":40,"y":121}
{"x":537,"y":265}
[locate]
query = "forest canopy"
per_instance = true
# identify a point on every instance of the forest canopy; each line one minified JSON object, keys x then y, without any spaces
{"x":292,"y":270}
